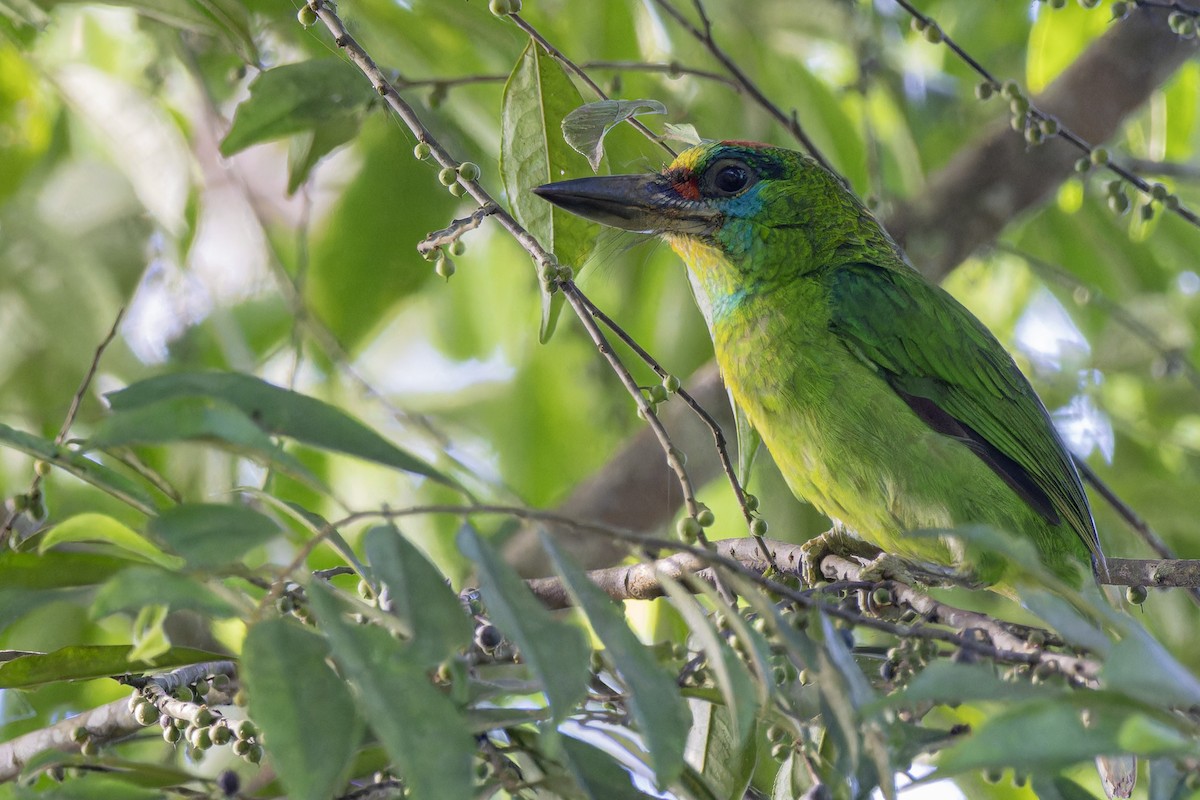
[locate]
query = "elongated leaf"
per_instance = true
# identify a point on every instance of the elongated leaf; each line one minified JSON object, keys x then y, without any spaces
{"x":310,"y":147}
{"x":419,"y":726}
{"x":1141,"y":667}
{"x":137,"y":587}
{"x":55,"y":569}
{"x":715,"y":747}
{"x":84,"y":662}
{"x":419,"y":595}
{"x":298,"y":98}
{"x":210,"y":535}
{"x":279,"y":412}
{"x":98,"y":475}
{"x":597,"y":773}
{"x":537,"y":97}
{"x":93,"y":527}
{"x":586,"y":126}
{"x":661,"y":714}
{"x":305,"y":710}
{"x":555,"y":651}
{"x":949,"y":682}
{"x":196,"y":418}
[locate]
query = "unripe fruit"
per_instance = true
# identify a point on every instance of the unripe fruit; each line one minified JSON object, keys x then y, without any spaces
{"x":146,"y":713}
{"x":1083,"y":165}
{"x":1120,"y":9}
{"x":306,"y":16}
{"x":658,"y":393}
{"x":468,"y":171}
{"x":751,"y":501}
{"x":706,"y":518}
{"x":758,"y":526}
{"x":689,"y":529}
{"x":172,"y":735}
{"x":422,"y":151}
{"x":933,"y":34}
{"x":1159,"y":192}
{"x":457,"y":189}
{"x":1119,"y":203}
{"x":671,"y":384}
{"x":448,"y":176}
{"x":488,"y":637}
{"x":444,"y":268}
{"x":1099,"y":156}
{"x":984,"y":90}
{"x":458,"y":247}
{"x":1011,"y":90}
{"x":1136,"y":595}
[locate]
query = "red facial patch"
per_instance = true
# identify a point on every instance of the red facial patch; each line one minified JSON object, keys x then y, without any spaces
{"x":687,"y":186}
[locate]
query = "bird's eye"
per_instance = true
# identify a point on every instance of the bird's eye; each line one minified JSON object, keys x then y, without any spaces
{"x":730,"y":178}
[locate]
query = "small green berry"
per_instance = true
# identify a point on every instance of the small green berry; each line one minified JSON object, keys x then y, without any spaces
{"x":256,"y":753}
{"x":1118,"y":203}
{"x":146,"y":713}
{"x":993,"y":776}
{"x":306,"y":16}
{"x":565,"y":273}
{"x":1058,"y":3}
{"x":444,"y":268}
{"x":1114,"y":187}
{"x":1159,"y":192}
{"x":1082,"y":165}
{"x":688,"y":529}
{"x":448,"y":176}
{"x":457,"y":189}
{"x":758,"y":526}
{"x":934,"y":35}
{"x":1120,"y":9}
{"x":422,"y":151}
{"x":172,"y":735}
{"x":1099,"y":156}
{"x":1177,"y":22}
{"x":1011,"y":90}
{"x":751,"y":501}
{"x":1089,"y":3}
{"x":458,"y":247}
{"x":1170,"y":202}
{"x":79,"y":734}
{"x":1018,"y":105}
{"x":501,"y":8}
{"x":1033,"y":134}
{"x":220,"y":734}
{"x":882,"y":596}
{"x":1136,"y":595}
{"x":246,"y":729}
{"x":918,"y":24}
{"x":658,"y":393}
{"x":984,"y":90}
{"x":1049,"y":126}
{"x":241,"y":747}
{"x":90,"y":748}
{"x":1146,"y":211}
{"x":706,"y":518}
{"x":468,"y":171}
{"x":671,"y":384}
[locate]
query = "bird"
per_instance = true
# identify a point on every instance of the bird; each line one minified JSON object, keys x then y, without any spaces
{"x":885,"y":403}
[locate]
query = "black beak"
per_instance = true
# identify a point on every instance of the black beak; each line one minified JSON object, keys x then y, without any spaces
{"x":643,"y":203}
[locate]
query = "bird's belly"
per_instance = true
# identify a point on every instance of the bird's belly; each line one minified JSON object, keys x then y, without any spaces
{"x":847,"y":443}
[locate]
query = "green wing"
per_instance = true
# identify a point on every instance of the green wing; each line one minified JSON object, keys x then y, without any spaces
{"x":954,"y":374}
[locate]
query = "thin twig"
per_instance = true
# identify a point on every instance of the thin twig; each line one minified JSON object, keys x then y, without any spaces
{"x":451,"y":233}
{"x":704,"y":35}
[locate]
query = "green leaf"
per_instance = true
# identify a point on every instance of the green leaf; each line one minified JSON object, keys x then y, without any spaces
{"x":1058,"y":787}
{"x":419,"y":726}
{"x":98,"y":786}
{"x":599,"y":775}
{"x":137,"y":587}
{"x":225,"y":18}
{"x":748,"y":441}
{"x":308,"y":148}
{"x":537,"y":96}
{"x":298,"y":98}
{"x":662,"y":716}
{"x":98,"y":475}
{"x":93,"y":527}
{"x":733,"y":677}
{"x":196,"y":417}
{"x":56,"y":569}
{"x":85,"y":662}
{"x":150,"y":639}
{"x":438,"y":626}
{"x":211,"y":535}
{"x":557,"y":652}
{"x":1142,"y":668}
{"x":279,"y":412}
{"x":304,"y":708}
{"x":585,"y":127}
{"x":725,"y":755}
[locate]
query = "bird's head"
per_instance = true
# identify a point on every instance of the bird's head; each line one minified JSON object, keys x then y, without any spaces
{"x":726,"y":194}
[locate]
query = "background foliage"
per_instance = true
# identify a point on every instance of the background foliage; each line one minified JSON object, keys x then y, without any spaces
{"x":218,"y":170}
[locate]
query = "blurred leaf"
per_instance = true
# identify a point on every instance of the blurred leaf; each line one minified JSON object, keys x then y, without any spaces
{"x":1141,"y":667}
{"x":308,"y":148}
{"x":57,"y":569}
{"x":420,"y":597}
{"x":585,"y":127}
{"x":724,"y":755}
{"x":555,"y":651}
{"x":225,"y":18}
{"x":97,"y":786}
{"x":537,"y":97}
{"x":93,"y":527}
{"x":950,"y":682}
{"x":276,"y":411}
{"x":1057,"y":39}
{"x":599,"y":775}
{"x":195,"y":417}
{"x":211,"y":535}
{"x":661,"y":715}
{"x":303,"y":707}
{"x":80,"y":466}
{"x":1058,"y":787}
{"x":418,"y":725}
{"x":85,"y":662}
{"x":150,"y":639}
{"x":732,"y":675}
{"x":136,"y":587}
{"x":324,"y":93}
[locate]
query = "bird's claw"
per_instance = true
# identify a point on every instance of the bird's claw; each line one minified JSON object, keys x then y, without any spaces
{"x":834,"y":542}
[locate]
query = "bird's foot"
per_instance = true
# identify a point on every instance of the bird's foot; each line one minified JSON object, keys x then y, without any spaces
{"x":835,"y":542}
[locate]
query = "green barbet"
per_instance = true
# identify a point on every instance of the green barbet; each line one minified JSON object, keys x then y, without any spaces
{"x":885,"y":403}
